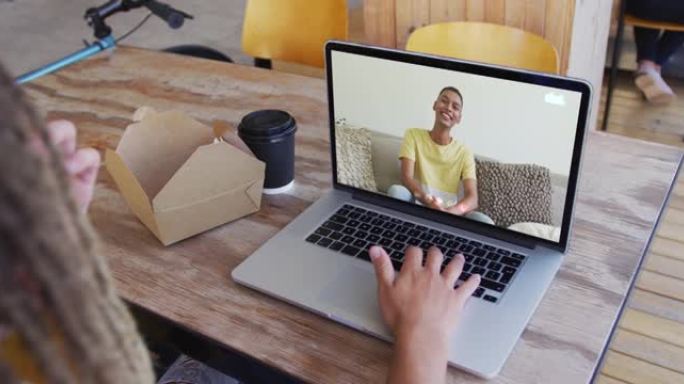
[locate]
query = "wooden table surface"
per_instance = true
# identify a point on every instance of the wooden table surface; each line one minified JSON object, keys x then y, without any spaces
{"x":622,"y":189}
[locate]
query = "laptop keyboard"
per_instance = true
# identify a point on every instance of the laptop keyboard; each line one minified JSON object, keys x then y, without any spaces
{"x":353,"y":230}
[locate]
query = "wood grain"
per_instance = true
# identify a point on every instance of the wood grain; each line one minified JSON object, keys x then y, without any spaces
{"x":652,"y":326}
{"x":657,"y":305}
{"x":190,"y":283}
{"x":661,"y":284}
{"x":379,"y":21}
{"x":635,"y":371}
{"x":649,"y":349}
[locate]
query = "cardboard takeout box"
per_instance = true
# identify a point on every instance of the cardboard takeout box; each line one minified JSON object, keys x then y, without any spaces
{"x":178,"y":180}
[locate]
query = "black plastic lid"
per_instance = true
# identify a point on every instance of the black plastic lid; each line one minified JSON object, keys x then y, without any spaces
{"x":266,"y":125}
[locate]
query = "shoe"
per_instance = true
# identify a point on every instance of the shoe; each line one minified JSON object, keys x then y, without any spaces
{"x":654,"y":88}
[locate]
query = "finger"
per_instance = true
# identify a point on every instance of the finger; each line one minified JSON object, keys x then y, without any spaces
{"x":413,"y":259}
{"x":62,"y":134}
{"x":453,"y":269}
{"x":466,"y":289}
{"x":434,"y":259}
{"x":83,"y":161}
{"x":382,"y":265}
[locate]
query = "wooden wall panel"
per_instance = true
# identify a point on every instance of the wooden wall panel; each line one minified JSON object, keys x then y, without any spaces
{"x":379,"y":22}
{"x":475,"y":10}
{"x":495,"y":11}
{"x":552,"y":19}
{"x":447,"y":10}
{"x":410,"y":14}
{"x":535,"y":14}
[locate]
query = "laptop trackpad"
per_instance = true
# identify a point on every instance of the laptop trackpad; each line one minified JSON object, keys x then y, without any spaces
{"x":352,"y":296}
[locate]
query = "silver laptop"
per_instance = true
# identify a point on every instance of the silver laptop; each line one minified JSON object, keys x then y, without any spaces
{"x":517,"y":136}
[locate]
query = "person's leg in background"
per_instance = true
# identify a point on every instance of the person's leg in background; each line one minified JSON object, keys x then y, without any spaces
{"x":654,"y":47}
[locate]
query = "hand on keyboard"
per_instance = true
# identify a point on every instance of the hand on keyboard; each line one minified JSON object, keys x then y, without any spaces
{"x":421,"y":306}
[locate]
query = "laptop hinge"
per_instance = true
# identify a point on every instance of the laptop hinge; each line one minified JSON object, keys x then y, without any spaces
{"x":446,"y":219}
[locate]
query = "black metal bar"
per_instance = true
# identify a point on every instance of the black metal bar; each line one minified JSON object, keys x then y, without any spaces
{"x":617,"y":50}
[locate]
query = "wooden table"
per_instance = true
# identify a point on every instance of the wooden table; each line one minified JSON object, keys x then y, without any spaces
{"x":623,"y":187}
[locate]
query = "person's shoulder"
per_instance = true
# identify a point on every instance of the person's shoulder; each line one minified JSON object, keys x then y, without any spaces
{"x":416,"y":133}
{"x":462,"y":147}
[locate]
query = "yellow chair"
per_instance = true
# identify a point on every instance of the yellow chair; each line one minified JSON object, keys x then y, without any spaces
{"x":487,"y":43}
{"x":292,"y":30}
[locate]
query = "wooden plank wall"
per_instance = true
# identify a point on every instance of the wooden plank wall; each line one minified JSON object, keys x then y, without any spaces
{"x":552,"y":19}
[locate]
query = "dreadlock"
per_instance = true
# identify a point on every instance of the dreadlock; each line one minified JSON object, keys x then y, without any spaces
{"x":53,"y":280}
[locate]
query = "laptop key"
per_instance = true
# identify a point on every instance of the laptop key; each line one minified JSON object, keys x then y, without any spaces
{"x":461,"y":239}
{"x":365,"y":226}
{"x":371,"y":213}
{"x":414,"y":233}
{"x":325,"y":242}
{"x":333,"y":225}
{"x":373,"y":238}
{"x":361,"y":234}
{"x":479,"y":252}
{"x":335,"y":235}
{"x":478,"y":292}
{"x":413,"y":241}
{"x":474,"y":243}
{"x":396,"y":255}
{"x":378,"y":222}
{"x":448,"y":236}
{"x":349,"y":231}
{"x":363,"y":255}
{"x":466,"y":248}
{"x":493,"y":285}
{"x":389,"y":225}
{"x":397,"y":264}
{"x":426,"y":237}
{"x":323,"y":231}
{"x":467,"y":267}
{"x":353,"y":223}
{"x":360,"y":243}
{"x":385,"y":242}
{"x":494,"y":266}
{"x":478,"y":271}
{"x":493,"y":275}
{"x":339,"y":219}
{"x":434,"y":232}
{"x":480,"y":262}
{"x":503,"y":252}
{"x":401,"y":238}
{"x":402,"y":229}
{"x":355,"y":215}
{"x":348,"y":239}
{"x":489,"y":247}
{"x":507,"y":269}
{"x":506,"y":278}
{"x":377,"y":230}
{"x":351,"y":251}
{"x":517,"y":256}
{"x":313,"y":238}
{"x":490,"y":298}
{"x":452,"y":244}
{"x":465,"y":276}
{"x":398,"y":245}
{"x":389,"y":234}
{"x":440,"y":241}
{"x":336,"y":246}
{"x":510,"y":261}
{"x":492,"y":256}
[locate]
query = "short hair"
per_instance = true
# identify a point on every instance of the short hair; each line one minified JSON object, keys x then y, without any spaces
{"x":452,"y":89}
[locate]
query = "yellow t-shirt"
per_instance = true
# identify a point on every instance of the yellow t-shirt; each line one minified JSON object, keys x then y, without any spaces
{"x":439,"y":168}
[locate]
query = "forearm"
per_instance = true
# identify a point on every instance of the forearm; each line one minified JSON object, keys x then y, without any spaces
{"x":415,"y":188}
{"x":418,"y":358}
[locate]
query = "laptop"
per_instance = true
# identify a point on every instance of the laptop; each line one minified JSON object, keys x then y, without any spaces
{"x":523,"y":134}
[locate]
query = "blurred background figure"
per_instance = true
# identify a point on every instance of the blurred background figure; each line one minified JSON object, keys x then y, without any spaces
{"x":655,"y":47}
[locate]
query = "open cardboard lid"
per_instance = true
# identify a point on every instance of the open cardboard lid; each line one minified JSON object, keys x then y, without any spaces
{"x":158,"y":144}
{"x":212,"y":171}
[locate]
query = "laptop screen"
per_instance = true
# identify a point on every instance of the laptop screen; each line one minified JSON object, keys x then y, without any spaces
{"x":488,"y":149}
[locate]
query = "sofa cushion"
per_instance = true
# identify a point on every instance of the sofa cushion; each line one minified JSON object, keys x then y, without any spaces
{"x":543,"y":231}
{"x":354,"y":161}
{"x":386,"y":163}
{"x":514,"y":193}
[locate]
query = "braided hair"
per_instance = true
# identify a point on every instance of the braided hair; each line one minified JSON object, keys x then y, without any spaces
{"x":56,"y":292}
